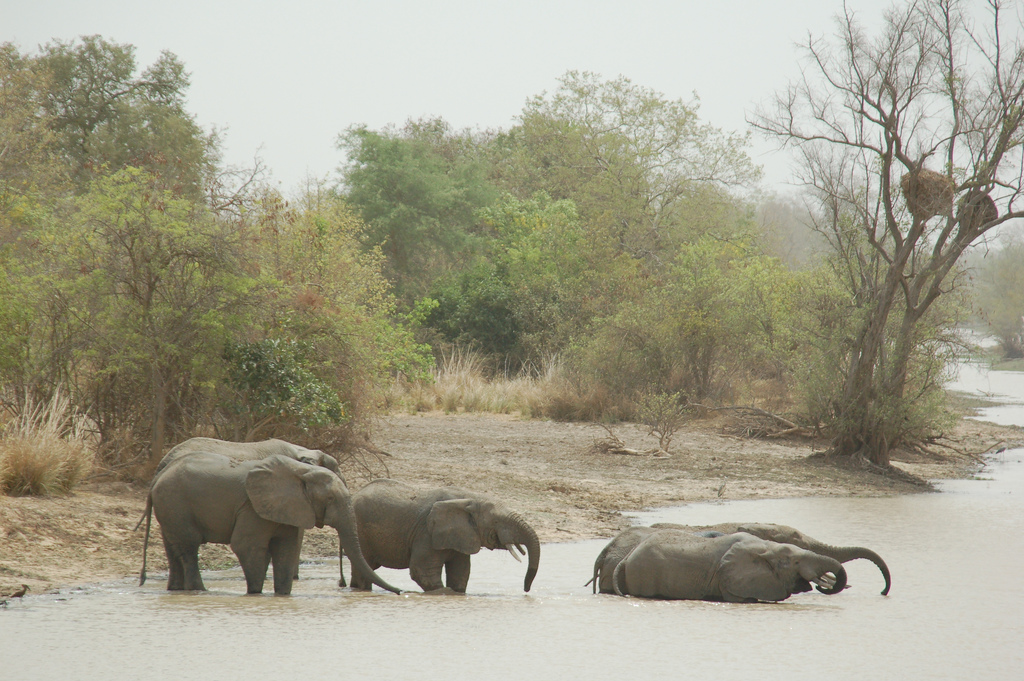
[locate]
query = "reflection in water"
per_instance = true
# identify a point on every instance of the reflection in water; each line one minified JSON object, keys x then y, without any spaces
{"x":953,"y":613}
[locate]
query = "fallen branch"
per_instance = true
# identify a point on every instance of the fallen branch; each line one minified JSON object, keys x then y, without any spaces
{"x":760,"y":430}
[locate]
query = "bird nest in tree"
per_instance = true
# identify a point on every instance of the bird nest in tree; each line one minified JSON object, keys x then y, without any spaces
{"x":927,"y":193}
{"x":976,"y":209}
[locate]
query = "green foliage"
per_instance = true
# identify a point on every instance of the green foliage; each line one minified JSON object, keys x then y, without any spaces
{"x":1000,"y":297}
{"x":148,"y":288}
{"x":274,"y":381}
{"x":664,"y":414}
{"x":670,"y":341}
{"x":476,"y":308}
{"x":106,"y":117}
{"x":328,"y":295}
{"x":418,"y":190}
{"x":643,"y":170}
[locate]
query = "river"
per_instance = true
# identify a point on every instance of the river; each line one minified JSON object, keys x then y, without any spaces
{"x":954,"y":612}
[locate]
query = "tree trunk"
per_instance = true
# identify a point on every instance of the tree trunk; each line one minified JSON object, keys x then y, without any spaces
{"x":159,"y":428}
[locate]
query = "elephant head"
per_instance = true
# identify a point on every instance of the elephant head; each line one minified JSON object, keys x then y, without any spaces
{"x":290,"y":492}
{"x":467,"y":525}
{"x":755,"y":569}
{"x":788,"y":535}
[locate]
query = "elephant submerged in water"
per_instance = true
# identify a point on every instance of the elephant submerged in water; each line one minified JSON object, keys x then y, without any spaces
{"x":257,"y":507}
{"x":426,"y":530}
{"x":619,"y":547}
{"x":241,"y":451}
{"x":736,"y":568}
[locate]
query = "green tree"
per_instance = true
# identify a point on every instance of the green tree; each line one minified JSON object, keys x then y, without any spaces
{"x":677,"y":337}
{"x":1000,"y":296}
{"x":107,"y":117}
{"x":327,"y":322}
{"x":642,"y":169}
{"x":417,"y":189}
{"x":541,"y":285}
{"x":148,"y":294}
{"x":928,"y":90}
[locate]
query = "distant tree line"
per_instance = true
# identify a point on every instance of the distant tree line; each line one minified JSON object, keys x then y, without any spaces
{"x":609,"y":234}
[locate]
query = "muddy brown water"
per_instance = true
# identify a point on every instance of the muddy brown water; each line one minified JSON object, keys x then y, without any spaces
{"x":956,"y":609}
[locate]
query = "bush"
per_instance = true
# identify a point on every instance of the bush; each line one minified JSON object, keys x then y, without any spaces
{"x":44,"y":450}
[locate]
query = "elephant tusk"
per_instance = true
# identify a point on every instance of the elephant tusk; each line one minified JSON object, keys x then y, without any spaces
{"x":826,"y":581}
{"x":511,"y":549}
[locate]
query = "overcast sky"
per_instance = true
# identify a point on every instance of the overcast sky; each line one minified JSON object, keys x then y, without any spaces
{"x":284,"y":78}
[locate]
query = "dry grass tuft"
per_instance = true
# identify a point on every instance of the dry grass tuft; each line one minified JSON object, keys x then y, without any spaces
{"x":44,"y":451}
{"x":461,"y":384}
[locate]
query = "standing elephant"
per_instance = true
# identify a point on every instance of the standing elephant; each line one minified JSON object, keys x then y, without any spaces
{"x":248,"y":451}
{"x":736,"y":568}
{"x":627,"y":540}
{"x":242,"y":451}
{"x":256,"y":507}
{"x":424,"y":530}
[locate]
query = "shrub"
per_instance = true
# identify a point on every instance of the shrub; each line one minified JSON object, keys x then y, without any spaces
{"x":44,"y":450}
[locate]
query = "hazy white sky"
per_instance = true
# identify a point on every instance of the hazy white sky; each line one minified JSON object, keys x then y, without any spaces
{"x":284,"y":78}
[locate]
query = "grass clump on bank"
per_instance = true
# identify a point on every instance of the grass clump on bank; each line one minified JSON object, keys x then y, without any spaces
{"x":463,"y":382}
{"x":44,"y":450}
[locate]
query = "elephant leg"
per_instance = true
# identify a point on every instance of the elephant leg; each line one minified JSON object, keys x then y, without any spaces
{"x":183,"y":567}
{"x":425,"y":569}
{"x":175,"y":568}
{"x":193,"y":578}
{"x":456,"y":572}
{"x":254,"y":560}
{"x":301,"y":532}
{"x":284,"y":552}
{"x":254,"y":567}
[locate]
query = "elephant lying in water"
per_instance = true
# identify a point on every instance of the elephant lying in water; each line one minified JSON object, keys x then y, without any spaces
{"x":737,"y":568}
{"x":426,"y":530}
{"x":619,"y":547}
{"x":240,"y":451}
{"x":258,"y":508}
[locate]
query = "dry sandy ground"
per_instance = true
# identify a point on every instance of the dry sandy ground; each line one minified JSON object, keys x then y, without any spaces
{"x":558,"y":475}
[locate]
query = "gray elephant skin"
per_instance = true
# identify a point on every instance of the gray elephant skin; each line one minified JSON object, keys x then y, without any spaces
{"x":619,"y":547}
{"x":242,"y":451}
{"x":255,"y":507}
{"x":426,"y":530}
{"x":735,"y":568}
{"x":248,"y":451}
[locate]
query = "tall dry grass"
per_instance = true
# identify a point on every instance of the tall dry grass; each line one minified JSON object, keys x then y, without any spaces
{"x":461,"y":383}
{"x":44,"y":450}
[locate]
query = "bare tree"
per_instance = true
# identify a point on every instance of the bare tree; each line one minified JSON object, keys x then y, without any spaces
{"x":912,"y":142}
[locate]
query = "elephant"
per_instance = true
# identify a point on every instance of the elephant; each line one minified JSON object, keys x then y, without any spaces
{"x":248,"y":451}
{"x":243,"y":451}
{"x":257,"y":507}
{"x":426,"y":529}
{"x":626,"y":541}
{"x":735,"y":568}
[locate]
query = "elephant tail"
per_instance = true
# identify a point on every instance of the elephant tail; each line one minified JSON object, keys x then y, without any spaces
{"x":595,"y":581}
{"x":148,"y":517}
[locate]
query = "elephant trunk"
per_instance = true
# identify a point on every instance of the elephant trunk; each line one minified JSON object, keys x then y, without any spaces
{"x":844,"y":554}
{"x":349,"y":540}
{"x":518,"y":532}
{"x":839,"y":571}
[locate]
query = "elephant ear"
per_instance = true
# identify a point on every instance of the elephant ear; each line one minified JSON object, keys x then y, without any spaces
{"x":277,"y":491}
{"x":748,"y":572}
{"x":452,"y":526}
